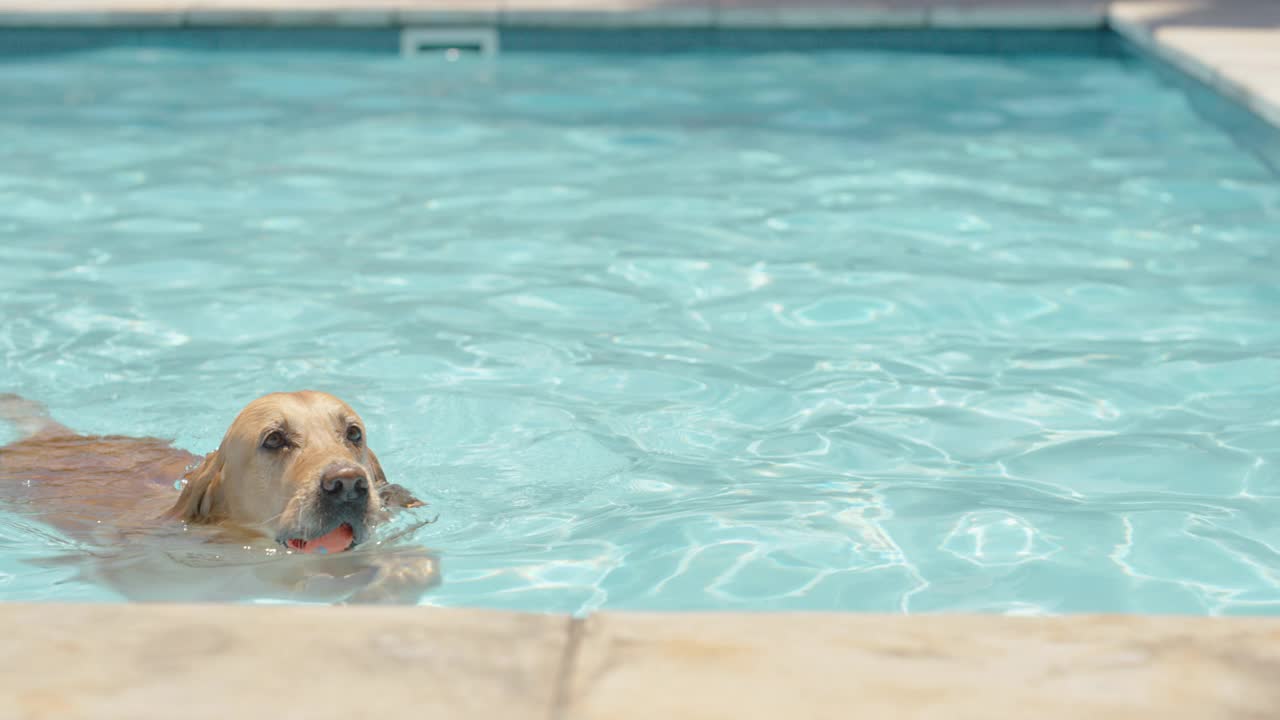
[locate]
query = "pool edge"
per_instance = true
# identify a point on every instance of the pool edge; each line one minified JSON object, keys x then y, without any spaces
{"x":1232,"y":46}
{"x":1239,"y":58}
{"x":198,"y":661}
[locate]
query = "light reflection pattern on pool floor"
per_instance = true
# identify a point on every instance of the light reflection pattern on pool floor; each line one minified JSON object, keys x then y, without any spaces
{"x":838,"y":331}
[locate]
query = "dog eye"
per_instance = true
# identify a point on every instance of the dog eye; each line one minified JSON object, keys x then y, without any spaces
{"x":274,"y":441}
{"x":354,"y":434}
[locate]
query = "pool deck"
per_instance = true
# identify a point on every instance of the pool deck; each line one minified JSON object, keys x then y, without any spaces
{"x":136,"y":662}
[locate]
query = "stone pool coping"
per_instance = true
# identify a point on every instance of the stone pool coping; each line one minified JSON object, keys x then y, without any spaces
{"x":1232,"y":45}
{"x":136,"y":662}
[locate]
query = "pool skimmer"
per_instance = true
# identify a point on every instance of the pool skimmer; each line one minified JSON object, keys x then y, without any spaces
{"x":453,"y":42}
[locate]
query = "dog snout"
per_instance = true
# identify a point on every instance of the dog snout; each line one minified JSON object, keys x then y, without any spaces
{"x":344,"y":484}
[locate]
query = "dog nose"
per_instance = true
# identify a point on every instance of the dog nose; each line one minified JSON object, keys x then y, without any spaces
{"x":345,"y":484}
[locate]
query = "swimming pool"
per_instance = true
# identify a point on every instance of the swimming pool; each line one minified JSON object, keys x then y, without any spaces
{"x":831,"y":331}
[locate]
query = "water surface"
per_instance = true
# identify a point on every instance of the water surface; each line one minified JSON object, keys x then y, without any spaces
{"x":829,"y":331}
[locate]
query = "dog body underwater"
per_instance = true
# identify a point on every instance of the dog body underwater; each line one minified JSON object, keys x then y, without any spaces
{"x":285,"y":508}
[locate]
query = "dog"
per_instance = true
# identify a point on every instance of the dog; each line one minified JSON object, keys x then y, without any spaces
{"x":283,"y":509}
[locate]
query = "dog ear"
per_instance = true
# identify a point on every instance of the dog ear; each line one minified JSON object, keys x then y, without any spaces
{"x":392,"y":495}
{"x":196,"y":502}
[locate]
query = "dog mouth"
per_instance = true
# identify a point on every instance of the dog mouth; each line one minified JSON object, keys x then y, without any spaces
{"x":339,"y":539}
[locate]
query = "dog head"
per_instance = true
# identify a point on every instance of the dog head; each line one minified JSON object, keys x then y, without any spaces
{"x":298,"y":468}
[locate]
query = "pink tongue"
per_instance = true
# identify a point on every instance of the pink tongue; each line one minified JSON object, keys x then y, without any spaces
{"x":332,"y":542}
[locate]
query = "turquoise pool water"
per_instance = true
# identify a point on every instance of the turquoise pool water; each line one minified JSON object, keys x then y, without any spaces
{"x":830,"y":331}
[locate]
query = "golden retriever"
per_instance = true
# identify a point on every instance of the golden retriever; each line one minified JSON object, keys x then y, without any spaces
{"x":280,"y":509}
